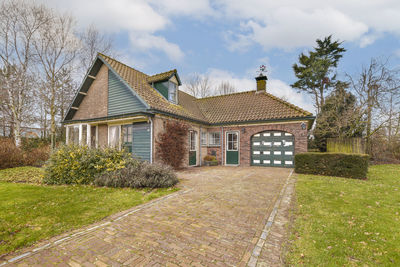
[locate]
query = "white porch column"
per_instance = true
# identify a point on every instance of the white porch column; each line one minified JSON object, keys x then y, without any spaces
{"x":66,"y":135}
{"x":88,"y":135}
{"x":80,"y":134}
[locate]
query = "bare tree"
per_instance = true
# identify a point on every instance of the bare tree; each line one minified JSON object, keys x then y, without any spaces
{"x":19,"y":24}
{"x":91,"y":43}
{"x":225,"y":88}
{"x":373,"y":86}
{"x":56,"y":48}
{"x":199,"y":86}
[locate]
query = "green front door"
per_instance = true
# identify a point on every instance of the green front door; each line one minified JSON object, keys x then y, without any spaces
{"x":232,"y":148}
{"x":127,"y":137}
{"x":192,"y":148}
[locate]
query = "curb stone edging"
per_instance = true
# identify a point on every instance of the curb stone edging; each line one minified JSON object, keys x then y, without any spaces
{"x":265,"y":233}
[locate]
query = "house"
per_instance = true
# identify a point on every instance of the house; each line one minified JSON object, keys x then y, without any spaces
{"x":119,"y":106}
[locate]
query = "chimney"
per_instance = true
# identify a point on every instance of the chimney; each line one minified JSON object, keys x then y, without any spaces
{"x":261,"y":83}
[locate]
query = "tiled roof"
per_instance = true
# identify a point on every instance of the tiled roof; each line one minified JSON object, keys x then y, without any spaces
{"x":237,"y":107}
{"x":248,"y":106}
{"x":138,"y":81}
{"x":161,"y":76}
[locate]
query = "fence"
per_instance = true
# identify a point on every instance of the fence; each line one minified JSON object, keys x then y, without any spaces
{"x":346,"y":145}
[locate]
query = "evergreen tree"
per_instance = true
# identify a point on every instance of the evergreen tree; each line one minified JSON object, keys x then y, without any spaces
{"x":315,"y":71}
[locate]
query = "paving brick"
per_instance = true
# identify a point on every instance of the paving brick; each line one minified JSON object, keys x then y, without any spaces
{"x":217,"y":223}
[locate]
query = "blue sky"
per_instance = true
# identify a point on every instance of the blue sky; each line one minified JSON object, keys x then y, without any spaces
{"x":230,"y":39}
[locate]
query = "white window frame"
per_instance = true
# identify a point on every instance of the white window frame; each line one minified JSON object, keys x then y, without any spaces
{"x":170,"y":89}
{"x":201,"y":138}
{"x":108,"y":135}
{"x":190,"y":141}
{"x":211,"y":138}
{"x":80,"y":133}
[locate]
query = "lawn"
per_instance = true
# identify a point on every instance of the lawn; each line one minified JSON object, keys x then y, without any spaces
{"x":30,"y":212}
{"x":22,"y":175}
{"x":347,"y":222}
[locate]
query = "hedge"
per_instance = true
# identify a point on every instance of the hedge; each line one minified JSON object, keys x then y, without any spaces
{"x":332,"y":164}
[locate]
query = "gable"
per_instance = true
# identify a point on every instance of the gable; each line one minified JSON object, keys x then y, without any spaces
{"x":121,"y":100}
{"x":92,"y":102}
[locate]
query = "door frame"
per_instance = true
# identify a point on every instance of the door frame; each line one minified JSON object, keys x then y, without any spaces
{"x":226,"y":146}
{"x":195,"y":145}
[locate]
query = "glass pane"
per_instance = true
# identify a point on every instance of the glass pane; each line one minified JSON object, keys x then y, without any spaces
{"x":93,"y":136}
{"x":192,"y":140}
{"x":114,"y":136}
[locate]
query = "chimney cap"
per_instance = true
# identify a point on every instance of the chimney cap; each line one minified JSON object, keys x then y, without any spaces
{"x":261,"y":77}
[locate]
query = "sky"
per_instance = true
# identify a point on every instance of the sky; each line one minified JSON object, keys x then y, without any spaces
{"x":227,"y":40}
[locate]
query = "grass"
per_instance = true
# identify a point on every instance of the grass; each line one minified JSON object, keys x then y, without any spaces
{"x":22,"y":175}
{"x":347,"y":222}
{"x":29,"y":212}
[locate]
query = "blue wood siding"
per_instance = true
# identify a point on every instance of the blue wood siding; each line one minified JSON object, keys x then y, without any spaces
{"x":121,"y":100}
{"x":162,"y":89}
{"x":141,"y":141}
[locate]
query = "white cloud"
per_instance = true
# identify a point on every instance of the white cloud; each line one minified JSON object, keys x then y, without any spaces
{"x":274,"y":86}
{"x":290,"y":24}
{"x":146,"y":42}
{"x":139,"y":18}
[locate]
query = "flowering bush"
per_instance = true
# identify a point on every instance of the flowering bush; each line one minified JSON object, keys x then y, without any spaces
{"x":210,"y":158}
{"x":73,"y":164}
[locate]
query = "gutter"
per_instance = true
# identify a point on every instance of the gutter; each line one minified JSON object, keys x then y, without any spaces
{"x":229,"y":122}
{"x":123,"y":116}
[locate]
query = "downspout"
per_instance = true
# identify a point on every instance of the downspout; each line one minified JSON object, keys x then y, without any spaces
{"x":151,"y":140}
{"x":222,"y":146}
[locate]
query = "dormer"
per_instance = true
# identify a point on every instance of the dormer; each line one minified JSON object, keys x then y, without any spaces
{"x":167,"y":84}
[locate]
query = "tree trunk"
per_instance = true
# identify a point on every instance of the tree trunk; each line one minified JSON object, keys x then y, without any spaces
{"x":369,"y":123}
{"x":17,"y":133}
{"x":52,"y":116}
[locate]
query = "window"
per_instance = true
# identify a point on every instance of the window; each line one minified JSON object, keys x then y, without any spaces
{"x":203,"y":138}
{"x":215,"y":139}
{"x":73,"y":134}
{"x":172,"y":92}
{"x":232,"y":141}
{"x":192,"y":141}
{"x":113,"y":136}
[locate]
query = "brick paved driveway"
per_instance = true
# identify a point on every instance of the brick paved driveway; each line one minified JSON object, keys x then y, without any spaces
{"x":215,"y":223}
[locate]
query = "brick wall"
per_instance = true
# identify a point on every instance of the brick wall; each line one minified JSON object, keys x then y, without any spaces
{"x":158,"y":127}
{"x":294,"y":128}
{"x":94,"y":104}
{"x":103,"y":135}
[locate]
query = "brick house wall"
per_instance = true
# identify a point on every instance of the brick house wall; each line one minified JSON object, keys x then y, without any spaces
{"x":158,"y":127}
{"x":95,"y":103}
{"x":103,"y":135}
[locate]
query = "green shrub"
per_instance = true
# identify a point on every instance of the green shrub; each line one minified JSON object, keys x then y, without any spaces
{"x":332,"y":164}
{"x":79,"y":164}
{"x":138,"y":174}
